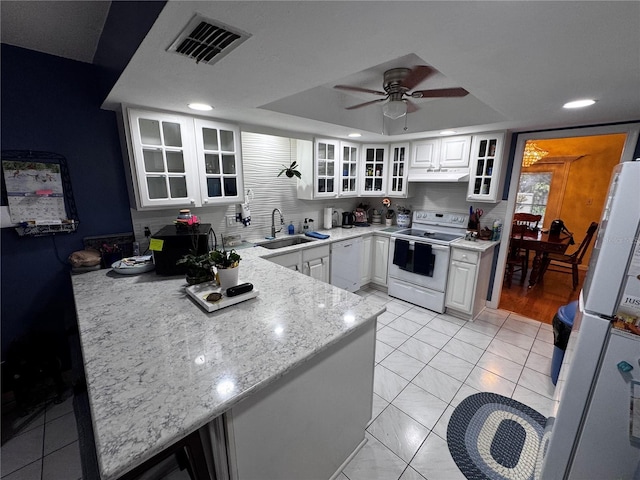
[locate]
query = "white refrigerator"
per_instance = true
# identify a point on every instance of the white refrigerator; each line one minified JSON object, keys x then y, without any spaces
{"x":594,"y":431}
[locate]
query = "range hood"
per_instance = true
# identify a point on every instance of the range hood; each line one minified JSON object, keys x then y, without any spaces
{"x":443,"y":175}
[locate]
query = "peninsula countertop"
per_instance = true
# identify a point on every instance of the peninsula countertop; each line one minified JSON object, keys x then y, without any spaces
{"x":158,"y":367}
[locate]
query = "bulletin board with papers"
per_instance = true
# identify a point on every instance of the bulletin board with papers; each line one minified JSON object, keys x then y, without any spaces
{"x":38,"y":192}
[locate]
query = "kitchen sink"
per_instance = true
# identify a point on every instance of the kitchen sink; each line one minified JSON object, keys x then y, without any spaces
{"x":284,"y":242}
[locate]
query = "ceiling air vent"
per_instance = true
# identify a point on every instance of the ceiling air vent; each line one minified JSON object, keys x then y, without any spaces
{"x":207,"y":41}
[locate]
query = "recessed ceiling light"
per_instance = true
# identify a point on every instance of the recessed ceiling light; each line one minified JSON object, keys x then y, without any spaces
{"x":354,"y":135}
{"x":579,"y":103}
{"x":448,"y":132}
{"x":200,"y":106}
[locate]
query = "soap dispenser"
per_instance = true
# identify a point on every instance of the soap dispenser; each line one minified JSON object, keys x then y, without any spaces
{"x":291,"y":228}
{"x":305,"y":226}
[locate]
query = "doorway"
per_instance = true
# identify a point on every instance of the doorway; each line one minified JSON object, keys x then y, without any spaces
{"x":569,"y":182}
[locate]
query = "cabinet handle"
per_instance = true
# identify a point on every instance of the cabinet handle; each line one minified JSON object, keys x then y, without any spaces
{"x":464,"y":256}
{"x":205,"y":201}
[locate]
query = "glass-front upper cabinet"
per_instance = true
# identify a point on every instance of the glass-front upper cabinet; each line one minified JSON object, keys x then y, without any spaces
{"x":373,"y":170}
{"x":485,"y":167}
{"x":162,"y":151}
{"x":349,"y":169}
{"x":398,"y":163}
{"x":326,"y":166}
{"x":219,"y":165}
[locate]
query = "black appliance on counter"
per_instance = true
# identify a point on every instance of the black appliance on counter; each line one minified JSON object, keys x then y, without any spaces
{"x":348,"y":219}
{"x":176,"y":242}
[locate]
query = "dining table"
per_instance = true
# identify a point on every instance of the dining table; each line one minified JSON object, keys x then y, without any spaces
{"x":542,"y":243}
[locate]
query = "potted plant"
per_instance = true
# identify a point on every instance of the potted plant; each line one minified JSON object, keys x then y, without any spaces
{"x":291,"y":170}
{"x":199,"y":267}
{"x":226,"y":263}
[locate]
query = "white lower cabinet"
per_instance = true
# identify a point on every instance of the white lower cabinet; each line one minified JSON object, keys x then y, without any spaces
{"x":289,"y":260}
{"x":297,"y":427}
{"x":365,"y":260}
{"x":380,"y":257}
{"x":316,"y":262}
{"x":313,"y":262}
{"x":468,"y":282}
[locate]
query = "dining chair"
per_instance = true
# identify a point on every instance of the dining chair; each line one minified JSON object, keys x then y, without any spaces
{"x":564,"y":263}
{"x":530,"y":220}
{"x":516,"y":259}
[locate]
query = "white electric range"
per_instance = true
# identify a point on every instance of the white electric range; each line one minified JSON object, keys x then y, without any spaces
{"x":419,"y":257}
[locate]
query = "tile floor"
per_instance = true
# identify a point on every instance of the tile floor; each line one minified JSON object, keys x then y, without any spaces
{"x":426,"y":364}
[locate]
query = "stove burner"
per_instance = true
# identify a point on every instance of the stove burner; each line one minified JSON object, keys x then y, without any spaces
{"x":431,"y":235}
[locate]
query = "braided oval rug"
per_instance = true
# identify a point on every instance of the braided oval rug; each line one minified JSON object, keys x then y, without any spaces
{"x":492,"y":437}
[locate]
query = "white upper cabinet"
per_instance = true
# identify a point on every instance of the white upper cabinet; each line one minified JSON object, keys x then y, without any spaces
{"x":179,"y":161}
{"x":454,"y":152}
{"x":424,"y":154}
{"x":348,"y":171}
{"x":326,"y":164}
{"x":219,"y":165}
{"x":373,"y":170}
{"x":162,"y":159}
{"x":486,"y":167}
{"x":398,"y":169}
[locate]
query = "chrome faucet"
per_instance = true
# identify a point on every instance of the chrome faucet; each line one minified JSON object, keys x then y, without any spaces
{"x":273,"y":222}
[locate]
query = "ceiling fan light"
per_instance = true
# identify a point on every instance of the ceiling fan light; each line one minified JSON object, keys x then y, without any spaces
{"x":394,"y":109}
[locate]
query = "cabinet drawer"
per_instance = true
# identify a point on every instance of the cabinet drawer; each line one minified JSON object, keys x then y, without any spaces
{"x":464,"y":255}
{"x":315,"y":252}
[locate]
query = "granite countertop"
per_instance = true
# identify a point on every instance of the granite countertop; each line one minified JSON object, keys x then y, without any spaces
{"x":158,"y":367}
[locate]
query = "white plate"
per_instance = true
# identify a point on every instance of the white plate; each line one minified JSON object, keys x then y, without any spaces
{"x":145,"y":264}
{"x":199,"y":291}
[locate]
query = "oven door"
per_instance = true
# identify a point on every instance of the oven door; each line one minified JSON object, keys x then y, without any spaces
{"x":438,"y":279}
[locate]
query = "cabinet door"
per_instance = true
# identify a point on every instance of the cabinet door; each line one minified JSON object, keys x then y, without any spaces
{"x":454,"y":152}
{"x":365,"y":260}
{"x":348,"y":169}
{"x":288,"y":260}
{"x":374,"y":170}
{"x":380,"y":259}
{"x":485,"y":166}
{"x":162,"y":151}
{"x":325,"y":168}
{"x":318,"y":269}
{"x":424,"y":154}
{"x":219,"y":162}
{"x":398,"y":170}
{"x":460,"y":286}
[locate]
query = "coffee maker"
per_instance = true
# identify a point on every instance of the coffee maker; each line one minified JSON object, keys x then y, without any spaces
{"x":348,"y":219}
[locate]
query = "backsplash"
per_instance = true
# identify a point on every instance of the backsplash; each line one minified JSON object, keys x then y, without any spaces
{"x":263,"y":157}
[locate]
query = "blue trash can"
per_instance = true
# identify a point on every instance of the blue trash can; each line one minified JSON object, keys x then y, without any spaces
{"x":562,"y":324}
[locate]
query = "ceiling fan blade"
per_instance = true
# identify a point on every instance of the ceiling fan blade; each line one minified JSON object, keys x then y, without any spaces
{"x":360,"y":105}
{"x":440,"y":92}
{"x":359,"y":89}
{"x":417,"y":75}
{"x":411,"y":106}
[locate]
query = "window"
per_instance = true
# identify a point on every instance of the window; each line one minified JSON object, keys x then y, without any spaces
{"x":533,"y":193}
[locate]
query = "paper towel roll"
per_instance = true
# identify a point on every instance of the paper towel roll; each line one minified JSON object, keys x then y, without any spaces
{"x":328,"y":218}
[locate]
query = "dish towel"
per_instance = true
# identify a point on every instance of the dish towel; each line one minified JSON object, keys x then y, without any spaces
{"x":423,"y":259}
{"x":321,"y":236}
{"x":401,"y":253}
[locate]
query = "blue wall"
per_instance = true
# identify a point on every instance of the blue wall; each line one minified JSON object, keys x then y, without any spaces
{"x":53,"y":104}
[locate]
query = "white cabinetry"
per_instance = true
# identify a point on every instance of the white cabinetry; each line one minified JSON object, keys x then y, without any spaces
{"x":218,"y":161}
{"x":326,"y":163}
{"x":316,"y":262}
{"x":468,"y":281}
{"x":179,"y":161}
{"x":454,"y":151}
{"x":424,"y":154}
{"x":374,"y":170}
{"x":380,"y":256}
{"x":485,"y":167}
{"x":398,"y":169}
{"x":348,"y":171}
{"x":365,"y":260}
{"x":312,"y":261}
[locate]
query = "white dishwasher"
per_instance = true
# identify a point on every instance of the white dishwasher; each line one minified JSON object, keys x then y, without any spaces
{"x":345,"y":264}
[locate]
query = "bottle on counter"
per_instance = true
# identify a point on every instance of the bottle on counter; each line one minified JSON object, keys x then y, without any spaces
{"x":305,"y":226}
{"x":497,"y":230}
{"x":290,"y":229}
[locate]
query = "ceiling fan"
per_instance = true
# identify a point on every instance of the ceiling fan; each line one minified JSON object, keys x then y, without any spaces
{"x":396,"y":84}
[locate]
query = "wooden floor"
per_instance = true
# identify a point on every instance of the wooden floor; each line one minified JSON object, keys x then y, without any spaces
{"x":543,"y":300}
